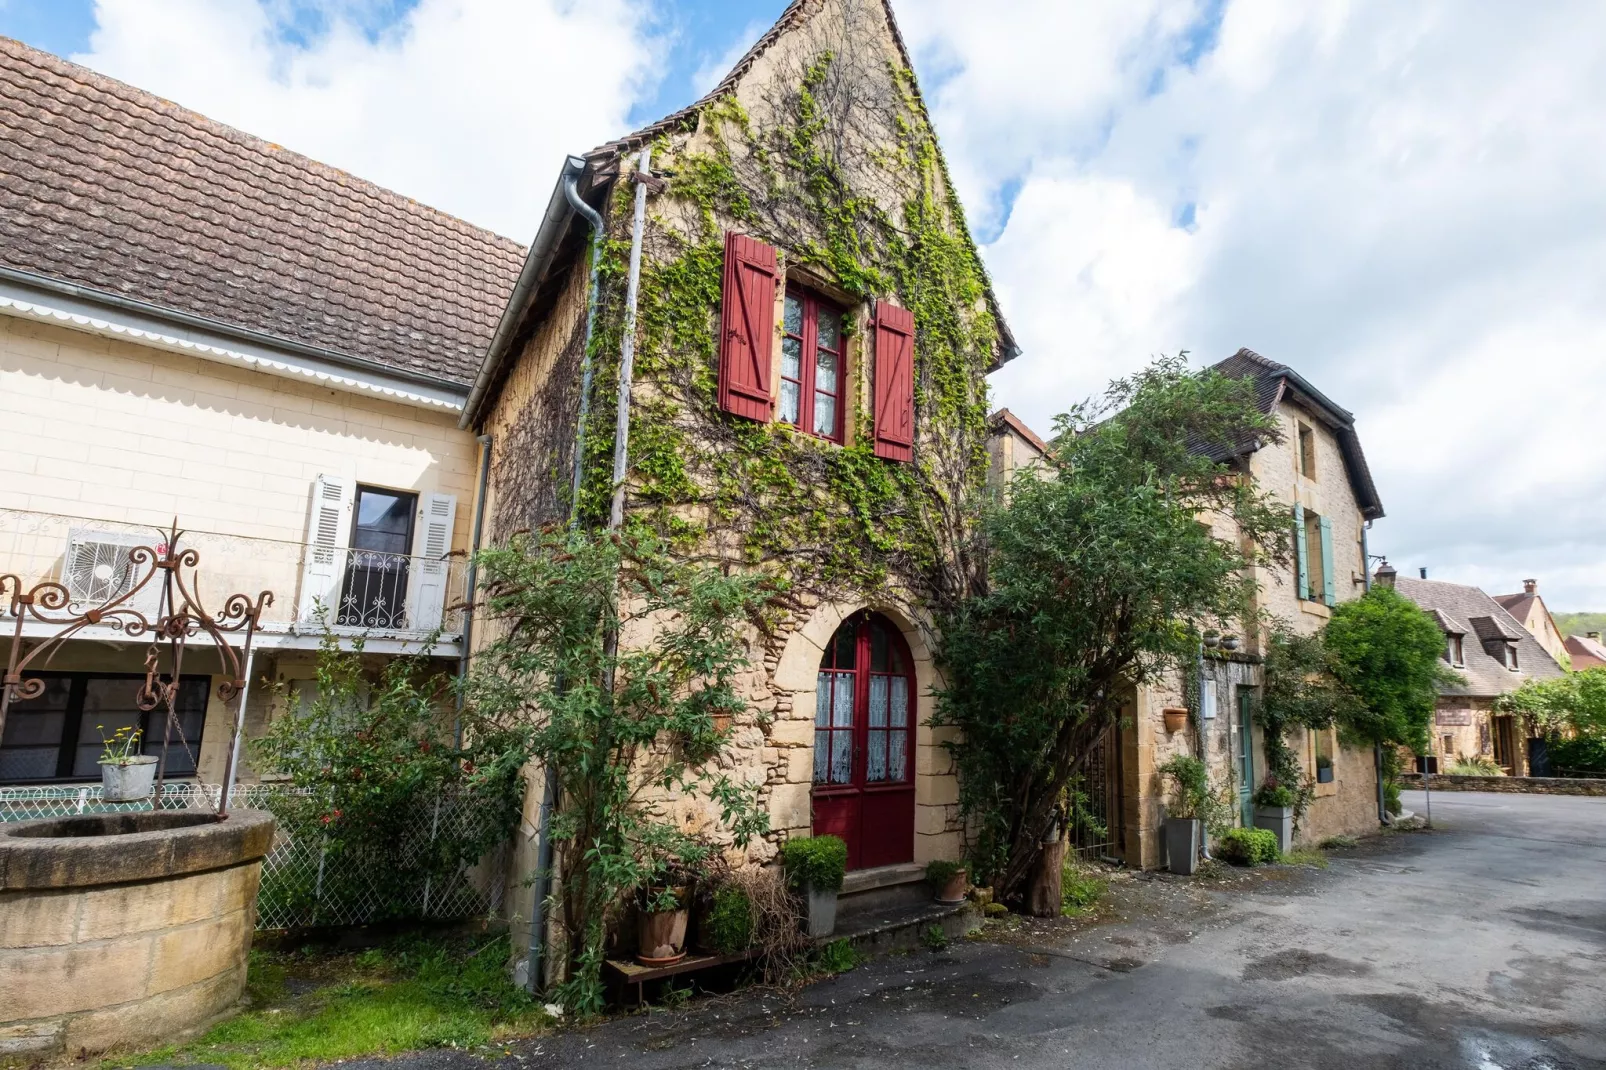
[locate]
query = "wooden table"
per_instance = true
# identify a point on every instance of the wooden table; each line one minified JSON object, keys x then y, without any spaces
{"x":629,"y":972}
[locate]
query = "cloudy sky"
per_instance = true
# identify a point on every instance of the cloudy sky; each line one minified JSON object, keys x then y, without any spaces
{"x":1404,"y":201}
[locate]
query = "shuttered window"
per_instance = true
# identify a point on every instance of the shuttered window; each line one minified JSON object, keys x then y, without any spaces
{"x":747,"y":327}
{"x":894,"y":382}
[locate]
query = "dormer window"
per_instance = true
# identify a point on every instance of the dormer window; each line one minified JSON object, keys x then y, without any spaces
{"x":1454,"y":652}
{"x":811,"y":366}
{"x":1511,"y":656}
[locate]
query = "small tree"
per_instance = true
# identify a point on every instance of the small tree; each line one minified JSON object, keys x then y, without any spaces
{"x":1300,"y":690}
{"x":1390,"y":654}
{"x":1575,"y":702}
{"x":1101,"y":576}
{"x":609,"y":665}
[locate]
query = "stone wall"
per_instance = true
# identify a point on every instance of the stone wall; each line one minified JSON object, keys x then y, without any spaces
{"x":121,"y":941}
{"x":1510,"y":785}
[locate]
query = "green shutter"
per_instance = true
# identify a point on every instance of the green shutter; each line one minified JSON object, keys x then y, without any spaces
{"x":1328,"y":594}
{"x":1301,"y":551}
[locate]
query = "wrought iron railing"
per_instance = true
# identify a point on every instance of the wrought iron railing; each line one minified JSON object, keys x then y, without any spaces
{"x":304,"y":883}
{"x":354,"y":589}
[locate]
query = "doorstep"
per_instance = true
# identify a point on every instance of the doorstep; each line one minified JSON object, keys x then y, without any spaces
{"x":885,"y":886}
{"x":900,"y":926}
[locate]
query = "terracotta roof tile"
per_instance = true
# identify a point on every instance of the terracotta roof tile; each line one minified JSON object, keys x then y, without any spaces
{"x":112,"y":188}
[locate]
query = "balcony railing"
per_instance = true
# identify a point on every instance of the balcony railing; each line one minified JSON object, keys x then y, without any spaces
{"x":351,"y":590}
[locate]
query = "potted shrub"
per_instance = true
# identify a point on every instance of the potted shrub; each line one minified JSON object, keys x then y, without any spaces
{"x":1324,"y":769}
{"x":1190,"y":798}
{"x":948,"y":879}
{"x":661,"y":916}
{"x":1274,"y":811}
{"x":1248,"y":847}
{"x":126,"y":775}
{"x":814,"y":869}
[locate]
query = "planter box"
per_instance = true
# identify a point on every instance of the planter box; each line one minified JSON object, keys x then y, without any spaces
{"x":1324,"y":775}
{"x":1182,"y":845}
{"x":822,"y":912}
{"x":1279,"y":819}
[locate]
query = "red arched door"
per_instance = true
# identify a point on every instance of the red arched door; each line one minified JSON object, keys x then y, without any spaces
{"x":864,"y":717}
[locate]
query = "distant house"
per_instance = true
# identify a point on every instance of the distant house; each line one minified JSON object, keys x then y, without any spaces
{"x":1586,"y":651}
{"x":1320,"y":474}
{"x":1529,"y":610}
{"x":1495,"y":653}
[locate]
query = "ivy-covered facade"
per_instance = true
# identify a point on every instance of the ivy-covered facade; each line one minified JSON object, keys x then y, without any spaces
{"x":812,"y":332}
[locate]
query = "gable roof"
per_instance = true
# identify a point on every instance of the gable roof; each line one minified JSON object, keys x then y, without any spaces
{"x":1584,"y":646}
{"x":1003,"y":418}
{"x":1275,"y":383}
{"x":1517,"y":604}
{"x":116,"y":191}
{"x":797,"y":13}
{"x":1486,"y":675}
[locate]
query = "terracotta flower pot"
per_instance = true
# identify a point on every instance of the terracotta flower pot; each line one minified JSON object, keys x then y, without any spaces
{"x":1176,"y":718}
{"x":954,"y":890}
{"x":661,"y":934}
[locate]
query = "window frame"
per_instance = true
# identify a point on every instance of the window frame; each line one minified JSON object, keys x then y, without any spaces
{"x":1306,"y":445}
{"x":1315,"y":562}
{"x":68,"y":745}
{"x":808,"y":343}
{"x":1455,"y":650}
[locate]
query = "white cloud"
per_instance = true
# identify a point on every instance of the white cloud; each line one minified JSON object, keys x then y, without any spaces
{"x":1406,"y":202}
{"x":466,"y":105}
{"x":715,"y":68}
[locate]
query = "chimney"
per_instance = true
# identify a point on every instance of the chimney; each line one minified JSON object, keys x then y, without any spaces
{"x":1424,"y":572}
{"x":1385,"y":574}
{"x":1530,"y":586}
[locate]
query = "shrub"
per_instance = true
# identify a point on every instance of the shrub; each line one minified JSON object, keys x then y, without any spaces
{"x":933,"y":938}
{"x":939,"y":871}
{"x":837,"y":957}
{"x":1474,"y":766}
{"x":1273,"y":795}
{"x":1586,"y":754}
{"x":1391,"y":799}
{"x":1247,"y":847}
{"x":730,"y":920}
{"x":817,"y":862}
{"x":1190,"y":786}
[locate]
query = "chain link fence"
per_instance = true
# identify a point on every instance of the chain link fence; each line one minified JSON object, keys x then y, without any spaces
{"x":305,"y":884}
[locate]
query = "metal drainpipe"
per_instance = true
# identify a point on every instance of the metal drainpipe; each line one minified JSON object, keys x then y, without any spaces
{"x":536,"y":954}
{"x":571,"y":190}
{"x":1203,"y":749}
{"x":471,"y":581}
{"x":627,"y":349}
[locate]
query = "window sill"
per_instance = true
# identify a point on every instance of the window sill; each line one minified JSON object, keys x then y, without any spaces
{"x":1315,"y":609}
{"x":1327,"y":790}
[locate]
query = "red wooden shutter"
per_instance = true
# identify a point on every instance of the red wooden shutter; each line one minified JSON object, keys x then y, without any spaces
{"x":894,"y":382}
{"x":747,"y":327}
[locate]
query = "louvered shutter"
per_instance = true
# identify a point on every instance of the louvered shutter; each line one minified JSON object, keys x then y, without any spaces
{"x":1329,"y":588}
{"x":323,"y":562}
{"x":747,"y":327}
{"x":1301,"y":552}
{"x":431,"y":567}
{"x":894,"y":382}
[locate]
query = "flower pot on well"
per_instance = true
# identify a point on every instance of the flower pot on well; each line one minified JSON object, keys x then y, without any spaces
{"x":1279,"y":819}
{"x":822,"y":911}
{"x":661,"y":934}
{"x":128,"y":781}
{"x":1176,"y":718}
{"x":1182,"y":845}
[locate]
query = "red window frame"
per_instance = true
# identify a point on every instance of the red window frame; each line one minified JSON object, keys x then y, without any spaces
{"x":809,"y":348}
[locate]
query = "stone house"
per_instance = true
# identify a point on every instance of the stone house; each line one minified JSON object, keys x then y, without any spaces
{"x":1320,"y":471}
{"x":783,"y":368}
{"x":1528,"y":609}
{"x":196,"y":323}
{"x":1585,"y":651}
{"x":1495,"y":653}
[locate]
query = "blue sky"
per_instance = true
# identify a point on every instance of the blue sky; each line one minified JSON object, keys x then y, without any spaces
{"x":1406,"y":202}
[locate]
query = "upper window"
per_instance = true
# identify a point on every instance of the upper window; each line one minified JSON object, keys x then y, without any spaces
{"x":1307,"y":452}
{"x":1453,"y":650}
{"x":1318,"y":545}
{"x":1511,"y":656}
{"x":812,"y":366}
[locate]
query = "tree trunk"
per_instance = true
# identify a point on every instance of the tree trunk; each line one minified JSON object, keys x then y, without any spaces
{"x":1044,"y":898}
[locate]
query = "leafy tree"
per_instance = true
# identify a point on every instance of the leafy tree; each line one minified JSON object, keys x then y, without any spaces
{"x":1301,"y":691}
{"x":609,"y":664}
{"x":1390,"y":654}
{"x":1100,"y":577}
{"x":1575,"y":702}
{"x":376,"y":753}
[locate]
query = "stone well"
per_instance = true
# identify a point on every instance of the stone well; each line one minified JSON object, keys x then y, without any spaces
{"x":120,"y":930}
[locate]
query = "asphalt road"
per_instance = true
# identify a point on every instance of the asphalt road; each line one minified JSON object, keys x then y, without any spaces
{"x":1480,"y":945}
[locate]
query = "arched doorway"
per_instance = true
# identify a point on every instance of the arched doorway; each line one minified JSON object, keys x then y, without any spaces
{"x":864,"y":719}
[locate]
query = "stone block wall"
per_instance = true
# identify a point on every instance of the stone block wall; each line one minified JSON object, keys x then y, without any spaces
{"x":1510,"y":785}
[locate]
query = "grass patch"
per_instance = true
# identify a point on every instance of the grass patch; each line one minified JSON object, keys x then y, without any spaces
{"x":1338,"y":843}
{"x":932,"y":938}
{"x":313,"y":1004}
{"x":1306,"y":856}
{"x":1080,"y":890}
{"x":838,"y":956}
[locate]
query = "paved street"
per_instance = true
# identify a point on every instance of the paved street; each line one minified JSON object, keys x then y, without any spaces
{"x":1481,"y":944}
